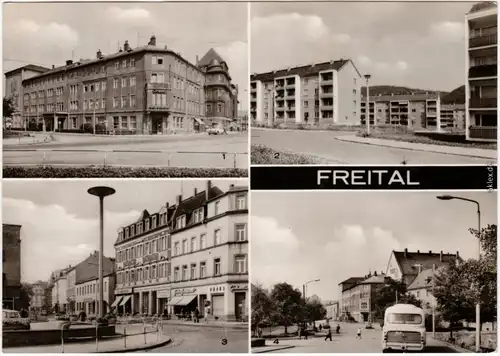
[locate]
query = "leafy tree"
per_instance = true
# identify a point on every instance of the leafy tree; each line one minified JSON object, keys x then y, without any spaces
{"x":8,"y":107}
{"x":287,"y":304}
{"x":25,"y":296}
{"x":392,"y":292}
{"x":262,"y":307}
{"x":314,"y":311}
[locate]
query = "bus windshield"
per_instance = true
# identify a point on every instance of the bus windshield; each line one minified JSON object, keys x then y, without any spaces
{"x":398,"y":318}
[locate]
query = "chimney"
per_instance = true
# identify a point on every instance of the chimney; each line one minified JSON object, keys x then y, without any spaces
{"x":418,"y":252}
{"x":53,"y":66}
{"x":441,"y":256}
{"x":406,"y":252}
{"x":69,"y":62}
{"x":197,"y":60}
{"x":179,"y":199}
{"x":375,"y":273}
{"x":458,"y":256}
{"x":167,"y":205}
{"x":195,"y":191}
{"x":430,"y":252}
{"x":99,"y":54}
{"x":121,"y":50}
{"x":152,"y":41}
{"x":207,"y":189}
{"x":126,"y":46}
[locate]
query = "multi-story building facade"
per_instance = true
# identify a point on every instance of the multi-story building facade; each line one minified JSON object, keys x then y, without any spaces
{"x":11,"y":265}
{"x":332,"y":310}
{"x":319,"y":94}
{"x":210,"y":254}
{"x":481,"y":33}
{"x":415,"y":111}
{"x":205,"y":233}
{"x":358,"y":296}
{"x":38,"y":301}
{"x":453,"y":117}
{"x":405,"y":266}
{"x":15,"y":91}
{"x":144,"y":90}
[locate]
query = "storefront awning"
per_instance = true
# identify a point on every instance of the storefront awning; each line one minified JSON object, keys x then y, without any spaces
{"x":174,"y":301}
{"x":186,"y":299}
{"x":115,"y":303}
{"x":198,"y":121}
{"x":125,"y":300}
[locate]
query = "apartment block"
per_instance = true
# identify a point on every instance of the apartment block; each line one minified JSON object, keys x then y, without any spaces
{"x":415,"y":111}
{"x":318,"y":94}
{"x":481,"y":26}
{"x":453,"y":117}
{"x":144,"y":90}
{"x":39,"y":300}
{"x":358,"y":295}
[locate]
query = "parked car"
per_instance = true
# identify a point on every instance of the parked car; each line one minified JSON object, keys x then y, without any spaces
{"x":325,"y":326}
{"x":215,"y":131}
{"x":12,"y":320}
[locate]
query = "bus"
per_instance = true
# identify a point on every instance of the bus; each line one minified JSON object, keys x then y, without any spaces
{"x":404,"y":329}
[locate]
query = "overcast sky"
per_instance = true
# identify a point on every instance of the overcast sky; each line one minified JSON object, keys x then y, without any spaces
{"x":59,"y":218}
{"x":419,"y":45}
{"x":47,"y":33}
{"x":331,"y":236}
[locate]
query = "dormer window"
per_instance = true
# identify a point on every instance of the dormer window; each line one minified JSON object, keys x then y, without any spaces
{"x":181,"y":221}
{"x":198,"y":215}
{"x":132,"y":230}
{"x":153,"y":222}
{"x":126,"y":232}
{"x":147,"y":225}
{"x":163,"y":218}
{"x":217,"y":208}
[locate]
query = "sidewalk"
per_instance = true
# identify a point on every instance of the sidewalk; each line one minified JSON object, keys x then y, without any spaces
{"x":210,"y":323}
{"x":263,"y":349}
{"x":451,"y":346}
{"x":133,"y":343}
{"x":450,"y":150}
{"x":24,"y":140}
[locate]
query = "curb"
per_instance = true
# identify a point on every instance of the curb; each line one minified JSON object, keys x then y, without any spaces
{"x":295,"y":130}
{"x":274,"y":349}
{"x":413,"y":149}
{"x":220,"y":326}
{"x":147,"y":347}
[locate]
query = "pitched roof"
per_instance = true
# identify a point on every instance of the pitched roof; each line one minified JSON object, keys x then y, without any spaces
{"x":88,"y":269}
{"x":190,"y":204}
{"x":145,"y":214}
{"x":32,"y":67}
{"x":378,"y":279}
{"x":208,"y":57}
{"x":482,"y":6}
{"x":409,"y":261}
{"x":303,"y":71}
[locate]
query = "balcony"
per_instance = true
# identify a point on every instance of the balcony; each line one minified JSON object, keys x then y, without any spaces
{"x":483,"y":132}
{"x":280,"y":98}
{"x":290,"y":108}
{"x":253,"y":108}
{"x":279,"y":85}
{"x":290,"y":84}
{"x":280,"y":108}
{"x":327,"y":107}
{"x":327,"y":94}
{"x":290,"y":97}
{"x":158,"y":107}
{"x":482,"y":103}
{"x":483,"y":71}
{"x":326,"y":82}
{"x":480,"y":41}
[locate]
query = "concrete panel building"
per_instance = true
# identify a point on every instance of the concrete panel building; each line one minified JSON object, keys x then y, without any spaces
{"x":481,"y":34}
{"x":318,"y":94}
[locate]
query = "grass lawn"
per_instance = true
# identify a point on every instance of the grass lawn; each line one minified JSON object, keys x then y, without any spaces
{"x":265,"y":155}
{"x":409,"y":137}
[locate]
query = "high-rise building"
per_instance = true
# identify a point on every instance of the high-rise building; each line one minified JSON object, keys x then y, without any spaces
{"x":144,"y":90}
{"x":481,"y":24}
{"x":318,"y":94}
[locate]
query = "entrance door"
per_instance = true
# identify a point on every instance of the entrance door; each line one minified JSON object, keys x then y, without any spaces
{"x":239,"y":305}
{"x":156,"y":125}
{"x":201,"y":305}
{"x":218,"y":305}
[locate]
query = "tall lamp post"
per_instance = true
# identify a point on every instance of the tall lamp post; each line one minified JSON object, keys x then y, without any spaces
{"x":478,"y":304}
{"x":304,"y":286}
{"x":101,"y":192}
{"x":367,"y":79}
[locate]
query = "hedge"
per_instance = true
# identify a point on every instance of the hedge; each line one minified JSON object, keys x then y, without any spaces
{"x":265,"y":155}
{"x":121,"y":172}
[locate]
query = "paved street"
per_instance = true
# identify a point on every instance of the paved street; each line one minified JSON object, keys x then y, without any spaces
{"x":190,"y":151}
{"x":346,"y":342}
{"x":325,"y":145}
{"x":203,"y":339}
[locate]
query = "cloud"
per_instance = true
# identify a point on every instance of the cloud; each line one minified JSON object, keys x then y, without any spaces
{"x":236,"y":56}
{"x":51,"y":34}
{"x":364,"y":60}
{"x":266,"y":231}
{"x":129,"y":15}
{"x":341,"y":38}
{"x":402,"y":65}
{"x":448,"y":31}
{"x":53,"y":238}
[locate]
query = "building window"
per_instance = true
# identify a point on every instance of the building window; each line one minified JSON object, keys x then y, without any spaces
{"x":241,"y":202}
{"x":176,"y":274}
{"x":203,"y":241}
{"x":193,"y":271}
{"x":217,"y":267}
{"x":115,"y":83}
{"x":240,"y":264}
{"x":124,"y":82}
{"x":217,"y":237}
{"x":184,"y":272}
{"x":241,"y":232}
{"x":193,"y":244}
{"x":216,"y":208}
{"x":203,"y":269}
{"x":176,"y":249}
{"x":181,"y":221}
{"x":184,"y":246}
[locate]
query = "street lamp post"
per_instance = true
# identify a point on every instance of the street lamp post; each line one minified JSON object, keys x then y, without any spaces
{"x":367,"y":112}
{"x":304,"y":288}
{"x":101,"y":192}
{"x":478,"y":304}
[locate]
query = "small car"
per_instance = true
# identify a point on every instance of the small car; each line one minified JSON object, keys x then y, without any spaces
{"x":11,"y":320}
{"x":215,"y":131}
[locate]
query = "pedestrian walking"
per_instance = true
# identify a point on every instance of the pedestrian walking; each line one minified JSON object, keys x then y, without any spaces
{"x":196,"y":315}
{"x":338,"y":328}
{"x":305,"y":332}
{"x":300,"y":332}
{"x":320,"y":327}
{"x":358,"y":334}
{"x":329,"y":335}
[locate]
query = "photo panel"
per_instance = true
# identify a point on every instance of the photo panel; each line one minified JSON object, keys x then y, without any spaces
{"x":373,"y":272}
{"x":398,"y":83}
{"x":171,"y":255}
{"x":134,"y":90}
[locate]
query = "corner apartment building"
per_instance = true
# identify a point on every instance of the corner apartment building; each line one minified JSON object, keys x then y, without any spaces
{"x":358,"y":296}
{"x":481,"y":33}
{"x":11,"y":265}
{"x":415,"y":111}
{"x":86,"y":285}
{"x":210,"y":254}
{"x":318,"y":94}
{"x":144,"y":90}
{"x":14,"y":89}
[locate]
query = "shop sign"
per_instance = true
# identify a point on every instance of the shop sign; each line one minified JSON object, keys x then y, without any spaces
{"x":185,"y":291}
{"x":150,"y":258}
{"x":88,"y":300}
{"x":238,"y":287}
{"x":123,"y":291}
{"x":130,"y":263}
